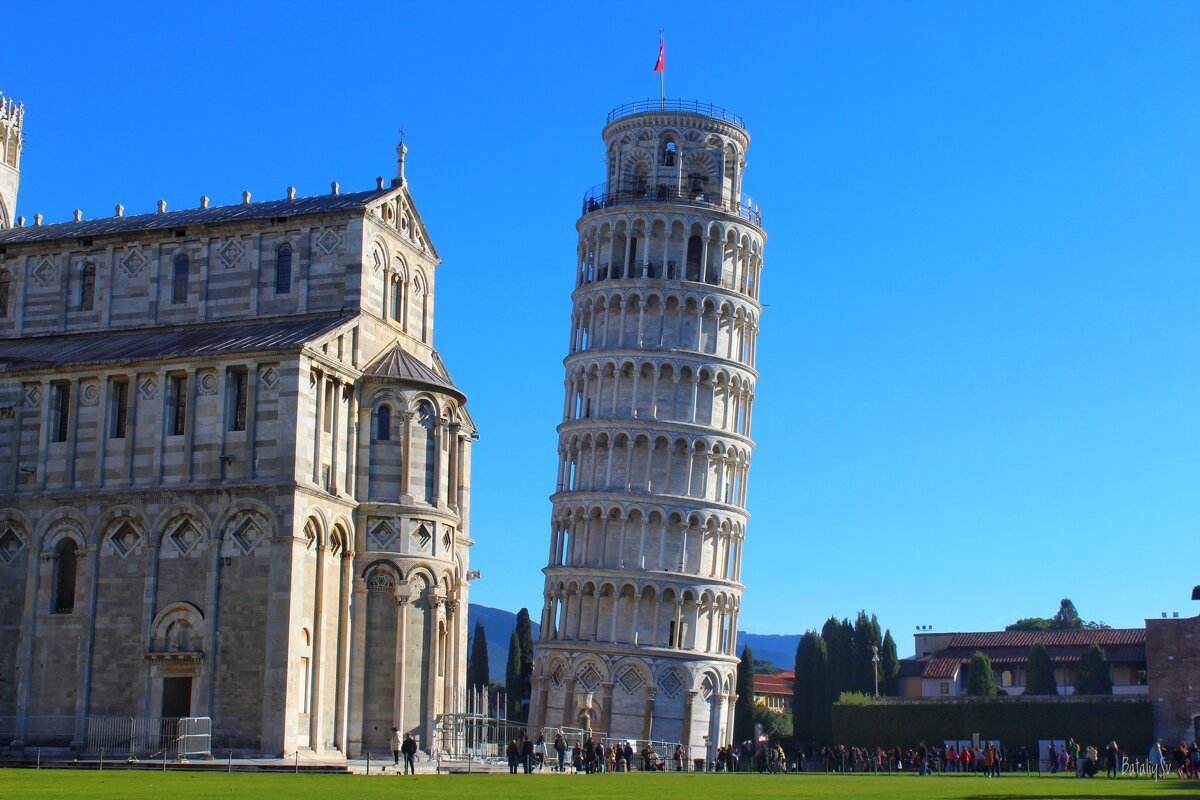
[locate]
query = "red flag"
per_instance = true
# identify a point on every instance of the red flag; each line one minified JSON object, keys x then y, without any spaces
{"x":662,"y":51}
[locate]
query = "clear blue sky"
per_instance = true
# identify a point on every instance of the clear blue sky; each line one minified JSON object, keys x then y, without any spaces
{"x":979,"y":378}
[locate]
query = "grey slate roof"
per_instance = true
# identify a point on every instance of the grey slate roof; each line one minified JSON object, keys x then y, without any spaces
{"x":147,"y":344}
{"x":191,"y":216}
{"x":395,"y":364}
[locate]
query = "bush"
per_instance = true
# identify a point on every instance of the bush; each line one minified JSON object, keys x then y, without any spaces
{"x":1013,"y":721}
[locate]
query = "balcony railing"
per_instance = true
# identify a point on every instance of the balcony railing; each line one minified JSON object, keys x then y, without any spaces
{"x":688,"y":106}
{"x":599,"y":197}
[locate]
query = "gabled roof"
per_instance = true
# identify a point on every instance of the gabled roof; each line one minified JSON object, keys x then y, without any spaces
{"x":942,"y":667}
{"x":779,"y":683}
{"x":396,"y":364}
{"x":194,"y":216}
{"x":150,"y":344}
{"x":1072,"y":638}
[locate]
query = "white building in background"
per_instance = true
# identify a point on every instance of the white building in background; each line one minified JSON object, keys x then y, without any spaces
{"x":642,"y":587}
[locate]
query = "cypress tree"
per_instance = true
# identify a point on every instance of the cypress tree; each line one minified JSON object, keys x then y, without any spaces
{"x":1039,"y":672}
{"x":980,"y":680}
{"x":512,"y":677}
{"x":743,"y":710}
{"x":804,"y":705}
{"x":479,"y":672}
{"x":1093,"y":675}
{"x":861,"y":667}
{"x":889,"y":666}
{"x":819,"y":693}
{"x":524,"y":632}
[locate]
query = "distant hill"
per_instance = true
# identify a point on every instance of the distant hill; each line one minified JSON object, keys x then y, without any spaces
{"x":779,"y":649}
{"x":498,"y":625}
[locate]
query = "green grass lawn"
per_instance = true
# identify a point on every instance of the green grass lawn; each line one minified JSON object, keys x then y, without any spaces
{"x":89,"y":785}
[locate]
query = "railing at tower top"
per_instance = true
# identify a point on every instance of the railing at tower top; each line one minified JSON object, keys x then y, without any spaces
{"x":599,"y":197}
{"x":688,"y":106}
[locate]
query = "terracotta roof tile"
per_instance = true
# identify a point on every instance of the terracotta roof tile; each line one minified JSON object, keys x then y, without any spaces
{"x":1083,"y":638}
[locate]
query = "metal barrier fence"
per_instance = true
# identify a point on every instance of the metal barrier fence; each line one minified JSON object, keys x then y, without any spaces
{"x":149,"y":737}
{"x":475,"y":736}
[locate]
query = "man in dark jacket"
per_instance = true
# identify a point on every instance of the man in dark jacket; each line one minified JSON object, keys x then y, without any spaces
{"x":527,"y":754}
{"x":409,"y":751}
{"x":514,"y":756}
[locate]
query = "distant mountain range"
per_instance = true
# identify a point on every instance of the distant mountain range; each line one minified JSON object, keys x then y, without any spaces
{"x":498,"y":626}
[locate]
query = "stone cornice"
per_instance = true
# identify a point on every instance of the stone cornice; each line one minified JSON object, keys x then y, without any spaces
{"x":680,"y":581}
{"x":667,"y":286}
{"x":664,"y":502}
{"x":660,"y":120}
{"x":650,"y":427}
{"x":181,"y":657}
{"x":586,"y":647}
{"x":661,"y":355}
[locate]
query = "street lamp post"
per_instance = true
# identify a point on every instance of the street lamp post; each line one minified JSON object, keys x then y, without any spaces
{"x":875,"y":666}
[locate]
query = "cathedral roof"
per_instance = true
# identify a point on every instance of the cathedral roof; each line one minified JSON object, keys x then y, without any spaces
{"x":177,"y":341}
{"x":395,"y":364}
{"x":193,"y":216}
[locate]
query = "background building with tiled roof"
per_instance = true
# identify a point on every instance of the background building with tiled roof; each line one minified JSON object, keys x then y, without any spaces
{"x":938,"y":668}
{"x":775,"y":691}
{"x":234,"y":474}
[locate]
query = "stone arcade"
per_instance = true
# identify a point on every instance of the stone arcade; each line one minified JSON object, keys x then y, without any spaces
{"x":234,"y":473}
{"x":642,"y":588}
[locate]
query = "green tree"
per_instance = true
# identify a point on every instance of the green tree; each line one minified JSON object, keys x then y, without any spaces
{"x":810,"y":672}
{"x":512,"y":677}
{"x":862,"y":668}
{"x":1066,"y":618}
{"x":980,"y":680}
{"x":524,"y":632}
{"x":822,"y":704}
{"x":1093,"y":675}
{"x":743,"y":709}
{"x":1030,"y":624}
{"x":889,"y":666}
{"x":1039,"y":672}
{"x":776,"y":725}
{"x":478,"y":672}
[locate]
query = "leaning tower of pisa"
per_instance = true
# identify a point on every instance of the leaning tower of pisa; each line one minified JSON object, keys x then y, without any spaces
{"x":643,"y":582}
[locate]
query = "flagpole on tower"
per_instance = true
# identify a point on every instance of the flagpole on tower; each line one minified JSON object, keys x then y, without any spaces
{"x":660,"y":68}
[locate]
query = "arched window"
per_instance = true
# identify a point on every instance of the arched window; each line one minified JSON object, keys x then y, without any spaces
{"x":383,"y":423}
{"x":695,"y":248}
{"x":396,"y":300}
{"x":179,"y":286}
{"x":426,"y":420}
{"x":668,"y":156}
{"x":283,"y":269}
{"x":65,"y":555}
{"x":5,"y":283}
{"x":87,"y":288}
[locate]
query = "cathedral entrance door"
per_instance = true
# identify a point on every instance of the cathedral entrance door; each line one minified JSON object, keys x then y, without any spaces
{"x":177,"y":697}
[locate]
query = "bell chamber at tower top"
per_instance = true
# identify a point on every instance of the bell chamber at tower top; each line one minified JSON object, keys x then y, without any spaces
{"x":674,"y":153}
{"x":672,"y":207}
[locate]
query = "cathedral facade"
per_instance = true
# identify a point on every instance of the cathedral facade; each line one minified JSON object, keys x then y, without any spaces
{"x":642,"y":589}
{"x":234,"y":473}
